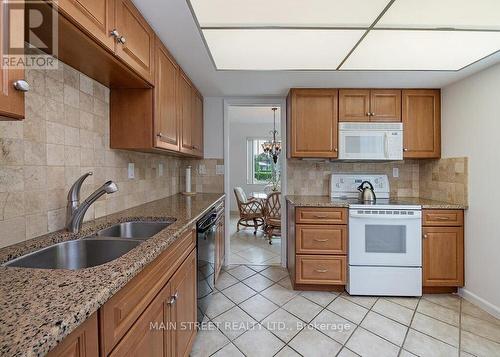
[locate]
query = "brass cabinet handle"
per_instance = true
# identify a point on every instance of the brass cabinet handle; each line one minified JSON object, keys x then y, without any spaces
{"x":442,"y":218}
{"x":318,"y":216}
{"x":320,"y":270}
{"x":320,"y":240}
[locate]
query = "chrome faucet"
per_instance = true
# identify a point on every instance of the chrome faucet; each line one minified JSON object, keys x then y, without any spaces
{"x":76,"y":211}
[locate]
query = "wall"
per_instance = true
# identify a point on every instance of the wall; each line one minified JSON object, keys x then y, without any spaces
{"x":470,"y":124}
{"x":213,"y":138}
{"x":238,"y":134}
{"x":66,"y":133}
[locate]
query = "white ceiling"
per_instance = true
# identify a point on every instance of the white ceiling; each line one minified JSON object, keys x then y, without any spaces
{"x":173,"y":22}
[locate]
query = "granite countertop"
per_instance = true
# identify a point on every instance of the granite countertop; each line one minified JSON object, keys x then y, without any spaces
{"x":326,"y":201}
{"x":39,"y":307}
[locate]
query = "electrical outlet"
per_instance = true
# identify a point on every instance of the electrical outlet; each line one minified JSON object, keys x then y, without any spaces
{"x":202,"y":169}
{"x":131,"y":170}
{"x":219,"y":169}
{"x":395,"y":172}
{"x":160,"y":169}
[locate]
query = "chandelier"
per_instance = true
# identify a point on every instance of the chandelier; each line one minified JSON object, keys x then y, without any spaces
{"x":273,"y":148}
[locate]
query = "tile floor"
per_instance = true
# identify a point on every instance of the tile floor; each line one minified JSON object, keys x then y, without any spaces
{"x":247,"y":248}
{"x":254,"y":312}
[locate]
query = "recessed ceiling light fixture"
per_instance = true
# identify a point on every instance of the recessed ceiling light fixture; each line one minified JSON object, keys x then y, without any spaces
{"x":444,"y":35}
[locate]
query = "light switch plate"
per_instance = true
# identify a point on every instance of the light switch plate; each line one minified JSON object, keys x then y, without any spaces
{"x":131,"y":170}
{"x":395,"y":172}
{"x":219,"y":169}
{"x":202,"y":169}
{"x":160,"y":169}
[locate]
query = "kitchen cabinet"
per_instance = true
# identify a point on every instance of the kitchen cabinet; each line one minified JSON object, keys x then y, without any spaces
{"x":443,"y":248}
{"x":312,"y":117}
{"x":191,"y":117}
{"x":365,"y":105}
{"x":11,"y":99}
{"x":197,"y":119}
{"x":82,"y":342}
{"x":421,"y":123}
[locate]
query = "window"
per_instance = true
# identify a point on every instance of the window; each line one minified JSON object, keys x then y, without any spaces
{"x":259,"y":165}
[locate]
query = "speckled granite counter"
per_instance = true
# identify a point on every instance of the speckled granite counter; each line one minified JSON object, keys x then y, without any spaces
{"x":326,"y":201}
{"x":38,"y":308}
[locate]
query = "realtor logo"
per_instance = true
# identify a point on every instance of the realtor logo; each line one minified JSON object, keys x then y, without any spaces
{"x":29,"y":34}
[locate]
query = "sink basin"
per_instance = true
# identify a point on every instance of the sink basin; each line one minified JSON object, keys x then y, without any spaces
{"x":135,"y":229}
{"x":75,"y":254}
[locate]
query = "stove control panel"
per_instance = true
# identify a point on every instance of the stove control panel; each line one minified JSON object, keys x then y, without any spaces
{"x":346,"y":185}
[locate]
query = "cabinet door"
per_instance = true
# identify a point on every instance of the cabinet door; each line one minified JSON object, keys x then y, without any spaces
{"x":197,"y":124}
{"x":137,"y":47}
{"x":11,"y":100}
{"x":421,"y":123}
{"x":313,"y":121}
{"x":183,"y":309}
{"x":82,"y":342}
{"x":148,"y":336}
{"x":385,"y":105}
{"x":96,"y":17}
{"x":443,"y":256}
{"x":185,"y":114}
{"x":354,"y":105}
{"x":167,"y":128}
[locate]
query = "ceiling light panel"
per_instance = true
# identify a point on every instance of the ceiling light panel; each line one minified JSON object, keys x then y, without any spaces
{"x":457,"y":14}
{"x":421,"y":50}
{"x":284,"y":49}
{"x":287,"y":13}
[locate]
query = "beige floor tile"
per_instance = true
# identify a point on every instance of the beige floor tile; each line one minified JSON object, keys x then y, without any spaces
{"x":286,"y":283}
{"x":238,"y":292}
{"x":229,"y":350}
{"x":322,"y":298}
{"x":283,"y":324}
{"x":367,"y":344}
{"x":435,"y":328}
{"x":365,"y":301}
{"x":255,"y":255}
{"x":423,"y":345}
{"x":207,"y":342}
{"x":276,"y":260}
{"x":259,"y":343}
{"x":258,"y":268}
{"x":449,"y":301}
{"x":481,"y":327}
{"x":234,"y":258}
{"x":304,"y":309}
{"x":473,"y":310}
{"x":258,"y":307}
{"x":345,"y":352}
{"x":216,"y":304}
{"x":287,"y":352}
{"x":384,"y":327}
{"x":394,"y":311}
{"x":225,"y":280}
{"x":347,"y":309}
{"x":478,"y":346}
{"x":409,"y":302}
{"x":275,"y":273}
{"x":234,"y":322}
{"x":312,"y":343}
{"x":241,"y":272}
{"x":278,"y":294}
{"x":438,"y":312}
{"x":334,"y":326}
{"x":405,"y":353}
{"x":258,"y":282}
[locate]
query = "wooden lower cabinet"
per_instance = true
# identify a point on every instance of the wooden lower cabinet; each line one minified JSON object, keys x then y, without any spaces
{"x":321,"y":269}
{"x":83,"y":342}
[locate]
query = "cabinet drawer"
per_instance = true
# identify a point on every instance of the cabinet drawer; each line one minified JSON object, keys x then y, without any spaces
{"x":315,"y":269}
{"x":443,"y":217}
{"x":122,"y":310}
{"x":321,"y":239}
{"x":317,"y":215}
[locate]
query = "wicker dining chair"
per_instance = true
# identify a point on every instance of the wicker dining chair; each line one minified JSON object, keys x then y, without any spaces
{"x":272,"y":216}
{"x":251,"y":211}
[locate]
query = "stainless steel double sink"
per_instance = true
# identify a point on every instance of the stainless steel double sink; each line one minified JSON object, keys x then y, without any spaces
{"x":104,"y":246}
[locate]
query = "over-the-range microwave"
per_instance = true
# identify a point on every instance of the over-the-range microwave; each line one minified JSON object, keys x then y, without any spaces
{"x":370,"y":141}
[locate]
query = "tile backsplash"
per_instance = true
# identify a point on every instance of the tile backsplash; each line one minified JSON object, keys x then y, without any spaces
{"x":65,"y":134}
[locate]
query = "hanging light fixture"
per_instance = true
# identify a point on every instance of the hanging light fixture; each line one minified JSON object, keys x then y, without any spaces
{"x":273,"y":148}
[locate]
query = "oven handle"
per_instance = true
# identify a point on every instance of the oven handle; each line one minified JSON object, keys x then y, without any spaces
{"x":415,"y":216}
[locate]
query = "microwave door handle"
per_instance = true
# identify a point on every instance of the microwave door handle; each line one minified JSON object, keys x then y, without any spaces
{"x":386,"y":146}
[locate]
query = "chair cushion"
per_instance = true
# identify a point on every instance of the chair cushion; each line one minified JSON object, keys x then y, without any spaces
{"x":240,"y":194}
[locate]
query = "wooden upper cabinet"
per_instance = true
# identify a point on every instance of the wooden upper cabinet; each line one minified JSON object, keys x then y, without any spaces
{"x":421,"y":123}
{"x":82,"y":342}
{"x":197,"y":122}
{"x":136,"y":40}
{"x":443,"y":256}
{"x":354,"y":105}
{"x":166,"y":118}
{"x":385,"y":105}
{"x":11,"y":100}
{"x":95,"y":17}
{"x":362,"y":105}
{"x":185,"y":103}
{"x":312,"y":116}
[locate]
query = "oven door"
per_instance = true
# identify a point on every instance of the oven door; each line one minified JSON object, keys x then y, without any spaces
{"x":385,"y":238}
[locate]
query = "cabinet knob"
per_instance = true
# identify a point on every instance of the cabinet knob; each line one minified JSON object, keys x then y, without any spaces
{"x":114,"y":33}
{"x":160,"y":135}
{"x":195,"y":147}
{"x":122,"y":40}
{"x":425,"y":235}
{"x":372,"y":114}
{"x":405,"y":149}
{"x":21,"y":85}
{"x":368,"y":114}
{"x":335,"y":149}
{"x":173,"y":298}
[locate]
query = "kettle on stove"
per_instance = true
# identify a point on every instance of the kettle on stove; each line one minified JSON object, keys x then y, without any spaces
{"x":367,"y":192}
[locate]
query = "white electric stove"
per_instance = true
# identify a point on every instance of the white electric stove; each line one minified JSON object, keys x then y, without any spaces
{"x":385,"y":244}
